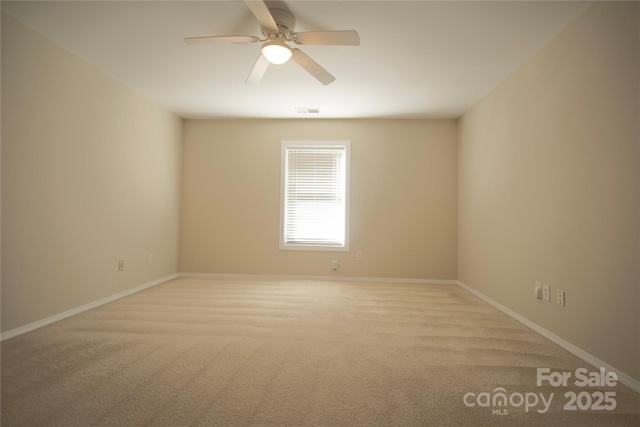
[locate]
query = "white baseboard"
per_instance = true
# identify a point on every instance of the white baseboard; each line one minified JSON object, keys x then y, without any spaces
{"x":328,"y":278}
{"x":78,"y":310}
{"x":622,"y":377}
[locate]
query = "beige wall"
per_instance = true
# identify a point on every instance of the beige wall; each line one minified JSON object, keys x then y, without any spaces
{"x":90,"y":174}
{"x":403,"y":198}
{"x":549,"y":186}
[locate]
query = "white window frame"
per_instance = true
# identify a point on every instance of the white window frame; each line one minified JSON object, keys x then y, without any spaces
{"x":346,"y":145}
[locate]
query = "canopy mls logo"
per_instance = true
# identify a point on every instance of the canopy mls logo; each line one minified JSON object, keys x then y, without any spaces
{"x":499,"y":400}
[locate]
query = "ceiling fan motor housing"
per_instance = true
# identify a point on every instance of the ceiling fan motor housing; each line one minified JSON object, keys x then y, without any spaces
{"x":286,"y":23}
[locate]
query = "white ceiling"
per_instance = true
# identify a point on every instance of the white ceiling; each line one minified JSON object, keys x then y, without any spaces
{"x":417,"y":59}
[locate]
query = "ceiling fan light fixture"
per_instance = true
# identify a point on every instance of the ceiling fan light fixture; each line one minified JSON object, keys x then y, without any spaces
{"x":276,"y":52}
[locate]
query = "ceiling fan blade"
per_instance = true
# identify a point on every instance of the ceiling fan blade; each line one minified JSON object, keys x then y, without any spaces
{"x":221,"y":39}
{"x":258,"y":71}
{"x":339,"y":38}
{"x":262,"y":14}
{"x":312,"y":67}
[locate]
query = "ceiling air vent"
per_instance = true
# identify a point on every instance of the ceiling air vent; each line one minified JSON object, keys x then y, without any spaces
{"x":307,"y":110}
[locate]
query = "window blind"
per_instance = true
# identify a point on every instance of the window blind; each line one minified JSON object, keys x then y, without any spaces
{"x":315,"y":195}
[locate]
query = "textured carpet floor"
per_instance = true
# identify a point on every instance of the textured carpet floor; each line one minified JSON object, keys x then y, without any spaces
{"x":239,"y":352}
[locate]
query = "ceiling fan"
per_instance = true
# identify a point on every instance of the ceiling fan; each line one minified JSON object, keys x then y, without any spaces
{"x":277,"y":26}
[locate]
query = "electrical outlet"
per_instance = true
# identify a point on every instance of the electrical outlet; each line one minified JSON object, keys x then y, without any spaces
{"x":358,"y":256}
{"x":150,"y":258}
{"x":335,"y":264}
{"x":561,"y":297}
{"x":537,"y":290}
{"x":121,"y":265}
{"x":546,"y":293}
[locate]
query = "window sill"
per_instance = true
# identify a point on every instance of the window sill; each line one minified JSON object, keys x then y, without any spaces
{"x":313,"y":248}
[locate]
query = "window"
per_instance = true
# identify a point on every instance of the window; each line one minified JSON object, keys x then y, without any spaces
{"x":315,"y":195}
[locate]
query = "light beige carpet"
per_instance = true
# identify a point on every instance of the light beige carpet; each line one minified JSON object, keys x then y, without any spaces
{"x":194,"y":352}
